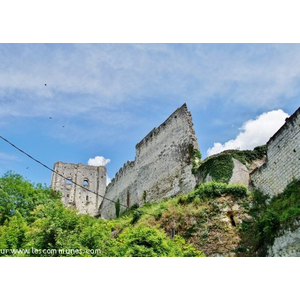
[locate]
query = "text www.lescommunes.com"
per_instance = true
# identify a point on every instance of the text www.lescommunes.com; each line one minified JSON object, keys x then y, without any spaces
{"x":50,"y":251}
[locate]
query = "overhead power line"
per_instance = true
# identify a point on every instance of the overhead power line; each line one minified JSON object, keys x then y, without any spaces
{"x":52,"y":170}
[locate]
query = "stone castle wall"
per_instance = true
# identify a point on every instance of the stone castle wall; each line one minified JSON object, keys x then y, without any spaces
{"x":286,"y":244}
{"x":162,"y":166}
{"x":93,"y":178}
{"x":283,"y":159}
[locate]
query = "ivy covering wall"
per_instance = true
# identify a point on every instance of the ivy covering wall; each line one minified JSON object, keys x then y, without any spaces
{"x":220,"y":167}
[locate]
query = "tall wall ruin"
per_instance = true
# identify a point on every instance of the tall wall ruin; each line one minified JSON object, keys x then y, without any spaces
{"x":283,"y":158}
{"x":162,"y":165}
{"x":90,"y":177}
{"x":162,"y":168}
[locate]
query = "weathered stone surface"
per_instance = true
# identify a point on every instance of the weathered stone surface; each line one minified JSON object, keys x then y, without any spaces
{"x":162,"y":166}
{"x":288,"y":244}
{"x":93,"y":178}
{"x":240,"y":173}
{"x":257,"y":163}
{"x":283,"y":159}
{"x":223,"y":225}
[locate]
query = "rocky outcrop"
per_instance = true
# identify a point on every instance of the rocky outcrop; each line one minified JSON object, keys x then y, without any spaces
{"x":240,"y":173}
{"x":287,"y":244}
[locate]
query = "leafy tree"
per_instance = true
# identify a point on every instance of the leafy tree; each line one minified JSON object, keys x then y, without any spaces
{"x":33,"y":217}
{"x":13,"y":233}
{"x":269,"y":217}
{"x":18,"y":194}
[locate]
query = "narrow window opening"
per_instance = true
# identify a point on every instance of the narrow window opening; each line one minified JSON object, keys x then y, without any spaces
{"x":85,"y":182}
{"x":87,"y":198}
{"x":68,"y":195}
{"x":232,"y":221}
{"x":69,"y":181}
{"x":294,"y":150}
{"x":231,"y":218}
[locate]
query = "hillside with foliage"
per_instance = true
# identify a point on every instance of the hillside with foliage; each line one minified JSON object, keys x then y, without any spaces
{"x":215,"y":219}
{"x":268,"y":220}
{"x":33,"y":217}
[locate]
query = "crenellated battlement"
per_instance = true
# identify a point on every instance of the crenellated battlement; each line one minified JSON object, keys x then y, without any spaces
{"x":150,"y":137}
{"x":162,"y":166}
{"x":127,"y":167}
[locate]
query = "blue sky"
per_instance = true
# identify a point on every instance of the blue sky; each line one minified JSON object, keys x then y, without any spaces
{"x":102,"y":99}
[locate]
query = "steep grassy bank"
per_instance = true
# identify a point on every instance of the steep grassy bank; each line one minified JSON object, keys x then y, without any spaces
{"x":34,"y":222}
{"x":208,"y":218}
{"x":269,"y":218}
{"x":216,"y":219}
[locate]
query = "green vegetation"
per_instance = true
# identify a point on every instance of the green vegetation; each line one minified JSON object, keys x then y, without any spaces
{"x":195,"y":155}
{"x":144,"y":241}
{"x":215,"y":189}
{"x":268,"y":220}
{"x":34,"y":219}
{"x":117,"y":207}
{"x":144,"y":196}
{"x":19,"y":195}
{"x":219,"y":167}
{"x":200,"y":217}
{"x":216,"y":218}
{"x":246,"y":157}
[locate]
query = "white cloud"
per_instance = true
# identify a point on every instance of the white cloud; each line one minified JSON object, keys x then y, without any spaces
{"x":98,"y":161}
{"x":108,"y":180}
{"x":253,"y":132}
{"x":105,"y":76}
{"x":104,"y":84}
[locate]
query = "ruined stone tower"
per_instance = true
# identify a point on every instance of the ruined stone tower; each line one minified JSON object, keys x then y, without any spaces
{"x":162,"y":166}
{"x":93,"y":178}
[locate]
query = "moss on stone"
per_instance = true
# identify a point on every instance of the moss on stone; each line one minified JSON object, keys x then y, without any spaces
{"x":268,"y":219}
{"x":219,"y":167}
{"x":196,"y":156}
{"x":246,"y":157}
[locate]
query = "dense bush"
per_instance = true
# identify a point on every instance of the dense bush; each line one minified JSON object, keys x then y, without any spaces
{"x":17,"y":194}
{"x":269,"y":217}
{"x":34,"y":219}
{"x":248,"y":156}
{"x":144,"y":241}
{"x":215,"y":189}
